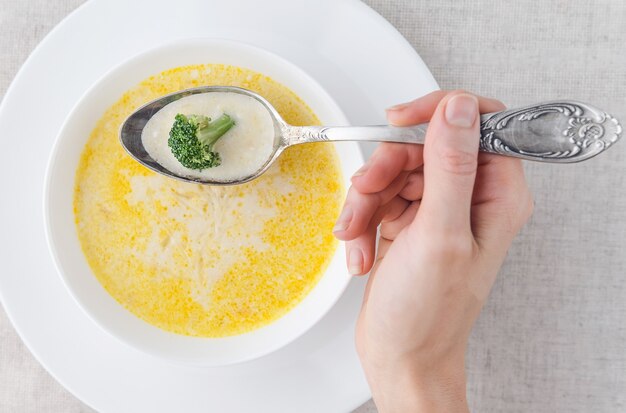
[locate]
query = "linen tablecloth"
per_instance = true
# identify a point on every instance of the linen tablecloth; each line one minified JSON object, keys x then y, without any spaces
{"x":553,"y":335}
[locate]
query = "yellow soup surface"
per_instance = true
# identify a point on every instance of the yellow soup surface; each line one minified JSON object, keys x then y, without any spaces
{"x":200,"y":260}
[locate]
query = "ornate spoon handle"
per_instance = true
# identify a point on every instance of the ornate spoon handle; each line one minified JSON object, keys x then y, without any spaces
{"x":558,"y":131}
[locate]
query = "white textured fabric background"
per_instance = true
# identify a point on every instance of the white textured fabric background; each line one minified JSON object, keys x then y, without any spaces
{"x":553,"y":336}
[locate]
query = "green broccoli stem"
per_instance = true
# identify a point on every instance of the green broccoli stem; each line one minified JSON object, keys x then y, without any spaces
{"x":214,"y":130}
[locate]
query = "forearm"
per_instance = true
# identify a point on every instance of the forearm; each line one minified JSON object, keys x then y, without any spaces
{"x":403,"y":389}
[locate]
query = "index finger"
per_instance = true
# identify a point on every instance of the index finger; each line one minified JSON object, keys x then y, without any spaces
{"x":390,"y":159}
{"x":385,"y":165}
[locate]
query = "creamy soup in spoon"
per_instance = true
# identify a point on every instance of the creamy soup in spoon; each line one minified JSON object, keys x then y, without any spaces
{"x":243,"y":150}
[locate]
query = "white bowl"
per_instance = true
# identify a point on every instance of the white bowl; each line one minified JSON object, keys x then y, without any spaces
{"x":63,"y":239}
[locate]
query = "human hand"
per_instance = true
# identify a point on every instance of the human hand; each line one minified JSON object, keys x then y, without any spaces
{"x":448,"y":216}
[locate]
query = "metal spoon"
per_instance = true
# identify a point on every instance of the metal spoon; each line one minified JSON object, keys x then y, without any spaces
{"x":558,"y":131}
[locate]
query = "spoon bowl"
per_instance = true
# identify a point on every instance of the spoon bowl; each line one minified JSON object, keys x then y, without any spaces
{"x":132,"y":128}
{"x":557,"y":132}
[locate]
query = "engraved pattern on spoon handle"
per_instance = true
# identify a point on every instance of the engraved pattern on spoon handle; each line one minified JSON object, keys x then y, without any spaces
{"x":558,"y":132}
{"x":377,"y":133}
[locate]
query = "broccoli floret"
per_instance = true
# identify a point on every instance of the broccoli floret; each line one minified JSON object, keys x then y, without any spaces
{"x":192,"y":138}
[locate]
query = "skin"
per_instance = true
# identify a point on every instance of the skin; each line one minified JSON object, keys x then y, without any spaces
{"x":446,"y":216}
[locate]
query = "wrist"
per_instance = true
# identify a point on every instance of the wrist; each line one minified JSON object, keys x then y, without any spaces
{"x":405,"y":387}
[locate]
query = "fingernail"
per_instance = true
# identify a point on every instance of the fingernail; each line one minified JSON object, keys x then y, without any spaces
{"x":343,"y":222}
{"x":363,"y":169}
{"x":355,"y":261}
{"x":398,"y":107}
{"x":462,"y":111}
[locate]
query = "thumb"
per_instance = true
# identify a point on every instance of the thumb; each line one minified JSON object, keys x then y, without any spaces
{"x":450,"y":163}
